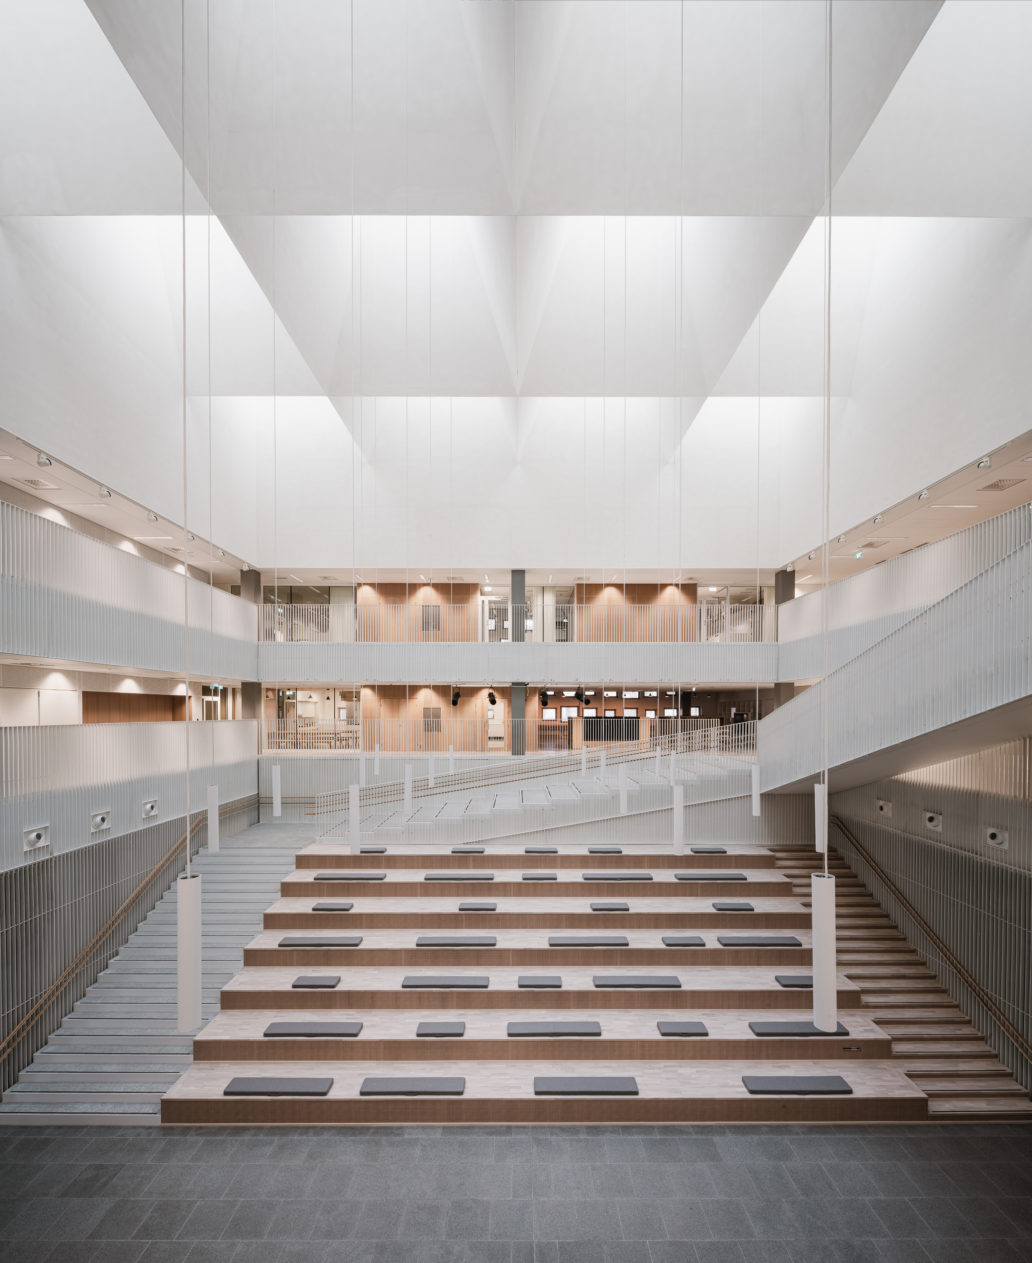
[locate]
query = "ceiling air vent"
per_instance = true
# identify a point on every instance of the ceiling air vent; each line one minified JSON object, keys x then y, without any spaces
{"x":1001,"y":484}
{"x":38,"y":484}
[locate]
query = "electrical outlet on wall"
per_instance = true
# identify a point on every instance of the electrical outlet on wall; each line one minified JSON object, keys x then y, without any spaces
{"x":884,"y":807}
{"x":998,"y":839}
{"x":933,"y":821}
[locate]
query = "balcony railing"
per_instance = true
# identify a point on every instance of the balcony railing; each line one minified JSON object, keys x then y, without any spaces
{"x":493,"y":623}
{"x":444,"y":736}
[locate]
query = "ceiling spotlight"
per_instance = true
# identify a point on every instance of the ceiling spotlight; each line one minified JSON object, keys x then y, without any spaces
{"x":984,"y":463}
{"x":103,"y":491}
{"x":44,"y":461}
{"x":152,"y":517}
{"x":455,"y":697}
{"x":924,"y":494}
{"x":841,"y":539}
{"x":879,"y":518}
{"x":222,"y":553}
{"x":810,"y":556}
{"x":491,"y":699}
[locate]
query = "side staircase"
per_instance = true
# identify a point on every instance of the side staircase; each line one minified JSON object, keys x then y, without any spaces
{"x":118,"y":1051}
{"x":932,"y":1039}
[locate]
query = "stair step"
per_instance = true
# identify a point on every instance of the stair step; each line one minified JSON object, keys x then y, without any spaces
{"x":988,"y":1107}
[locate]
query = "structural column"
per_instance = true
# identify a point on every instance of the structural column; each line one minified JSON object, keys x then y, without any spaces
{"x":519,"y":718}
{"x":784,"y":590}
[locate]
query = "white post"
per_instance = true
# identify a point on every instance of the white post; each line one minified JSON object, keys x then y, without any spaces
{"x":678,"y":821}
{"x":361,"y":768}
{"x":376,"y":760}
{"x":277,"y":796}
{"x":408,"y":789}
{"x":354,"y":818}
{"x":451,"y":759}
{"x":213,"y":818}
{"x":430,"y":772}
{"x":188,"y":953}
{"x":584,"y":760}
{"x":756,"y":789}
{"x":820,"y":817}
{"x":622,"y":782}
{"x":825,"y":1010}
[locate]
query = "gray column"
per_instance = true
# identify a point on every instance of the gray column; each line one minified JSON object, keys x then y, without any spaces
{"x":519,"y":718}
{"x":251,"y":586}
{"x":784,"y":590}
{"x":518,"y":603}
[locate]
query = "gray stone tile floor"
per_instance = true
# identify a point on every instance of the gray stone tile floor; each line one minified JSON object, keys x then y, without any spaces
{"x":844,"y":1194}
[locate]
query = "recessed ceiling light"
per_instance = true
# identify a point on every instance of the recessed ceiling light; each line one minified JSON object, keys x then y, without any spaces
{"x":103,"y":491}
{"x":43,"y":460}
{"x":984,"y":463}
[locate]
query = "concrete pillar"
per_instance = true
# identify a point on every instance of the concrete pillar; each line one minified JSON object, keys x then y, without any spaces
{"x":518,"y":602}
{"x":784,"y":590}
{"x":519,"y":716}
{"x":251,"y":586}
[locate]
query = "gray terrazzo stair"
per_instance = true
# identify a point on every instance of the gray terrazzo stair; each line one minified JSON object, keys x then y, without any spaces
{"x":118,"y":1051}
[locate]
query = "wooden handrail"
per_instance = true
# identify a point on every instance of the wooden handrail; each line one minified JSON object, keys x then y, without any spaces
{"x":987,"y":1002}
{"x":61,"y":982}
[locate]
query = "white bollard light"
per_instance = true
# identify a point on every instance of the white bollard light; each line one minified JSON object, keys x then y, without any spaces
{"x":756,"y":789}
{"x":825,"y":1008}
{"x":430,"y":771}
{"x":213,"y":818}
{"x":820,"y":817}
{"x":451,"y":760}
{"x":677,"y":833}
{"x":188,"y":953}
{"x":277,"y":795}
{"x":622,"y":782}
{"x":408,"y":789}
{"x":354,"y":818}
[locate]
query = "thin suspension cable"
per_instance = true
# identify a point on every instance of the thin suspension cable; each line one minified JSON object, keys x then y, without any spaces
{"x":826,"y":429}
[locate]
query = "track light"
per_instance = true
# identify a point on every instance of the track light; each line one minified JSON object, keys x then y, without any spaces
{"x":984,"y":463}
{"x":491,"y":699}
{"x":44,"y":461}
{"x":455,"y":697}
{"x":103,"y":491}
